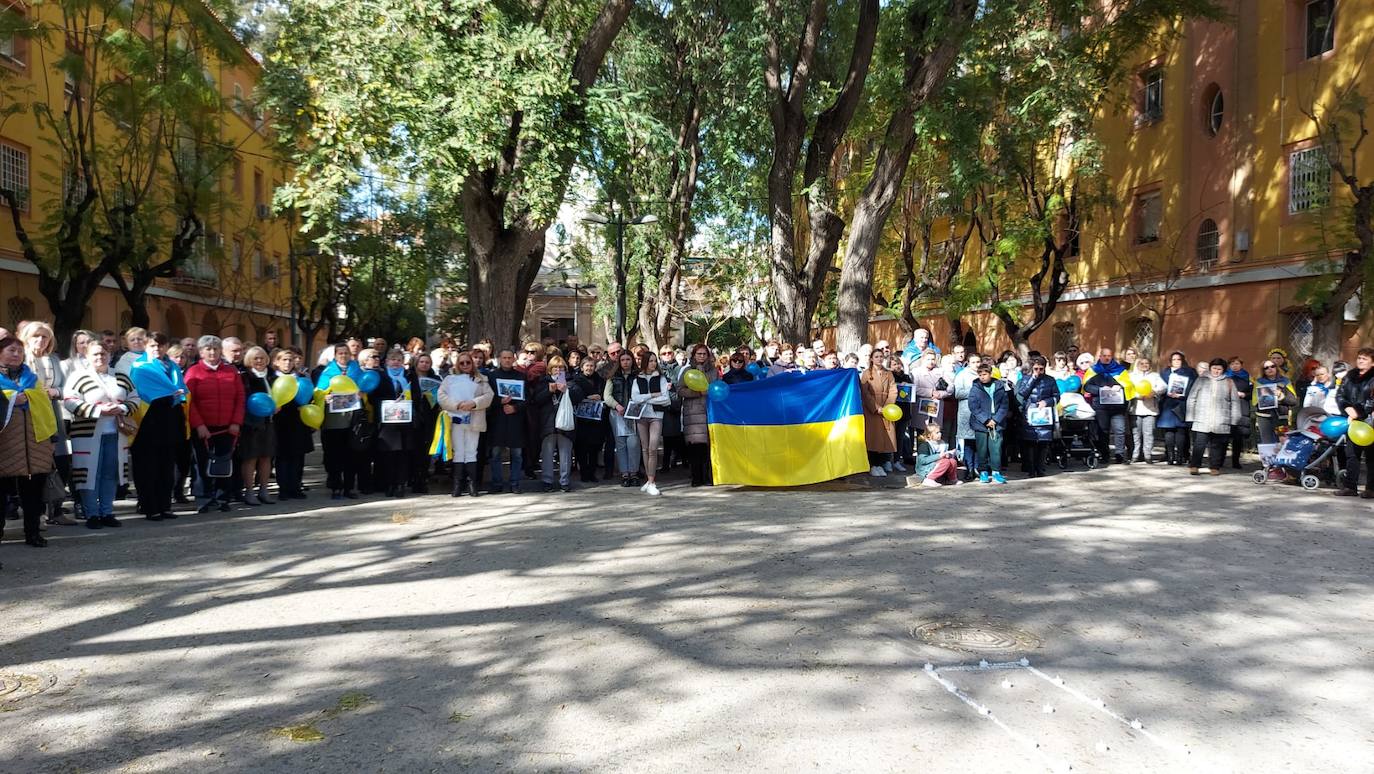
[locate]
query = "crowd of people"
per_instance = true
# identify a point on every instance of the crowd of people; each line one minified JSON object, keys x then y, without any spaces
{"x":208,"y":422}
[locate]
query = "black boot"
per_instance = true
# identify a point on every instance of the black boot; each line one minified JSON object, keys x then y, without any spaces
{"x":470,"y":474}
{"x":459,"y":474}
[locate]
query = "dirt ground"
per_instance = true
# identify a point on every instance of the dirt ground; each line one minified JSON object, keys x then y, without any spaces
{"x":1168,"y":623}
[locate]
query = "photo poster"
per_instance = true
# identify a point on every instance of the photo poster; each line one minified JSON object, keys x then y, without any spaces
{"x":397,"y":412}
{"x":1268,"y":397}
{"x":928,"y":406}
{"x":342,"y":403}
{"x":589,"y":409}
{"x":906,"y":393}
{"x":1112,"y":396}
{"x":1040,"y":416}
{"x":510,"y":388}
{"x":635,"y":410}
{"x":1178,"y":385}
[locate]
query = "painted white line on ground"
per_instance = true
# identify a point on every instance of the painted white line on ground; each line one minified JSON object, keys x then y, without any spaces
{"x":984,"y":711}
{"x":1135,"y":724}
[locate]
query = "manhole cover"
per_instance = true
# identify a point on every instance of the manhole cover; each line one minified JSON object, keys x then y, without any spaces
{"x":15,"y":688}
{"x":975,"y":636}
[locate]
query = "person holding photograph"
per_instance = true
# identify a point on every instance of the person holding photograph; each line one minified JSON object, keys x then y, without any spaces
{"x":617,"y":396}
{"x":1178,"y":379}
{"x":1038,"y":395}
{"x":340,"y":464}
{"x":590,"y":434}
{"x":987,"y":409}
{"x":424,"y":390}
{"x":1109,"y":402}
{"x":395,"y":410}
{"x":506,"y":424}
{"x":649,"y":395}
{"x":1272,"y":399}
{"x":465,"y":395}
{"x":545,"y":398}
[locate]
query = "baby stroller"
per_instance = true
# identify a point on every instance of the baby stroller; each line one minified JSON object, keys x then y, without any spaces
{"x":1075,"y":434}
{"x":1304,"y":454}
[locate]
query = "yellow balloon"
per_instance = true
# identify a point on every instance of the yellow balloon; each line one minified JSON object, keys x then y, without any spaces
{"x":694,"y":380}
{"x":312,"y":416}
{"x":284,"y":390}
{"x":318,"y":400}
{"x":1361,"y":434}
{"x":892,"y":412}
{"x":1143,"y":387}
{"x":342,"y":384}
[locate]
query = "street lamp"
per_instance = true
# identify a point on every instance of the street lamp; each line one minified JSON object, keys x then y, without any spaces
{"x":618,"y":222}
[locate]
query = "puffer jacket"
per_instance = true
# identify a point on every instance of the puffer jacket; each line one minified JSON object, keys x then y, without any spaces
{"x":694,"y":409}
{"x":1033,"y":390}
{"x":217,"y":398}
{"x":1213,"y":406}
{"x":1357,"y":392}
{"x":20,"y":454}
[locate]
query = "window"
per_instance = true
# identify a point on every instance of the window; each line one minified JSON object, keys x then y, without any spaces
{"x":1214,"y":109}
{"x":1309,"y":180}
{"x":19,"y":309}
{"x":1300,"y":333}
{"x":1065,"y":336}
{"x":13,"y":48}
{"x":70,"y":72}
{"x":1208,"y":244}
{"x":237,"y":255}
{"x":259,"y":264}
{"x":14,"y":172}
{"x":1152,"y":96}
{"x":257,"y":188}
{"x":1143,"y":336}
{"x":238,"y":176}
{"x":73,"y":186}
{"x":1321,"y":27}
{"x":1149,"y":212}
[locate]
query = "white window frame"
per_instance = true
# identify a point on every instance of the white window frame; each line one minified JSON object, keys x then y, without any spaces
{"x":1152,"y":107}
{"x":1309,"y":180}
{"x":15,"y":170}
{"x":1216,"y":113}
{"x":1208,"y":241}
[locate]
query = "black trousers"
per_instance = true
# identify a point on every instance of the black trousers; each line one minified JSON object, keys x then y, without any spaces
{"x":391,"y":469}
{"x":878,"y":459}
{"x":1215,"y":446}
{"x":1036,"y":453}
{"x":587,"y":445}
{"x":1239,"y":440}
{"x":340,"y":462}
{"x":186,"y":468}
{"x":1352,"y":468}
{"x":1176,"y":444}
{"x":155,"y":475}
{"x":699,"y":462}
{"x":29,"y":490}
{"x":290,"y":472}
{"x":217,"y":488}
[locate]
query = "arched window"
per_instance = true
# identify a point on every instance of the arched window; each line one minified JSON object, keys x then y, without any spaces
{"x":1213,"y":109}
{"x":209,"y":324}
{"x":1065,"y":336}
{"x":1143,"y":336}
{"x":1300,"y":331}
{"x":176,"y":322}
{"x":19,"y":310}
{"x":1208,"y":244}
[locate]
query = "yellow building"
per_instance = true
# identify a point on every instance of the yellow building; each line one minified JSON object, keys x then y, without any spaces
{"x":238,"y":283}
{"x":1223,"y":199}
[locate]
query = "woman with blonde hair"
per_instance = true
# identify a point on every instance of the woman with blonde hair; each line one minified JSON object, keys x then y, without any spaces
{"x":40,"y":358}
{"x":258,"y":437}
{"x":464,"y":395}
{"x":694,"y":426}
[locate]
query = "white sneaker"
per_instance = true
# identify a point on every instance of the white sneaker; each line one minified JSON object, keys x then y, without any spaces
{"x":250,"y":499}
{"x":899,"y":467}
{"x":876,"y":472}
{"x":930,"y":482}
{"x":887,"y":466}
{"x":645,"y":486}
{"x":651,"y":490}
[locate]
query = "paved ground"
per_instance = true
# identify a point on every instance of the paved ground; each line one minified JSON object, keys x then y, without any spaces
{"x":707,"y":630}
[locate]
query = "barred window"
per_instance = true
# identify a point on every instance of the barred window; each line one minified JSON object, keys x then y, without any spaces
{"x":19,"y":309}
{"x":1065,"y":336}
{"x":1149,"y":213}
{"x":14,"y":171}
{"x":1143,"y":336}
{"x":1300,"y":331}
{"x":1208,"y":244}
{"x":1309,"y":180}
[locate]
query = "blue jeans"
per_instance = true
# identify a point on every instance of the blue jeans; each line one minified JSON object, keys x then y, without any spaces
{"x":98,"y":501}
{"x":627,"y":457}
{"x":517,"y":464}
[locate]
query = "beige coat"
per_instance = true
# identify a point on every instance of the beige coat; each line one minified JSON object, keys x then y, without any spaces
{"x":453,"y":386}
{"x":878,"y":389}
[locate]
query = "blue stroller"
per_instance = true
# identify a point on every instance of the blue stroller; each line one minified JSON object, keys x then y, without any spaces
{"x":1304,"y":454}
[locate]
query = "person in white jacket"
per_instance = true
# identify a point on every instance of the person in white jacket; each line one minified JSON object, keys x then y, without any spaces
{"x":648,"y":394}
{"x":465,"y":395}
{"x":1145,"y":408}
{"x":1321,"y":393}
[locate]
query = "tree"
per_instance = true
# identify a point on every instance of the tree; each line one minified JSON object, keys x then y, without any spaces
{"x":1342,"y":126}
{"x":486,"y":103}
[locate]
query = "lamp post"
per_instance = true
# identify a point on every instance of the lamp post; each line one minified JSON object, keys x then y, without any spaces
{"x":618,"y":222}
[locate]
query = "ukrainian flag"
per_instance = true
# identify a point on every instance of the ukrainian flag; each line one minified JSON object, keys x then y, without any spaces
{"x":789,"y":430}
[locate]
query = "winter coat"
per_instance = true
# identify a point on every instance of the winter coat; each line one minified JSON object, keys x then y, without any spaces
{"x":982,"y":406}
{"x":460,"y":387}
{"x":21,"y":454}
{"x":926,"y":383}
{"x":425,"y":412}
{"x":544,"y":404}
{"x":393,"y":436}
{"x":1287,"y":397}
{"x":294,"y":437}
{"x":737,"y":376}
{"x":85,"y":391}
{"x":1357,"y":392}
{"x":694,"y":408}
{"x":653,"y":389}
{"x":1093,"y":389}
{"x":927,"y":455}
{"x":963,"y":381}
{"x":1147,"y":405}
{"x":1213,"y":406}
{"x":1173,"y":410}
{"x":590,"y":431}
{"x":506,"y":430}
{"x":50,"y":373}
{"x":1032,"y":390}
{"x":217,"y":398}
{"x":878,"y":389}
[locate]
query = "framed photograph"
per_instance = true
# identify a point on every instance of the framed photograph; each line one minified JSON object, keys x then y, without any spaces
{"x":1112,"y":396}
{"x":1178,"y":385}
{"x":928,"y":406}
{"x":397,"y":412}
{"x":1040,"y":416}
{"x":636,"y":410}
{"x":461,"y":417}
{"x":510,"y":388}
{"x":1267,"y":399}
{"x":906,"y":393}
{"x":342,"y":403}
{"x":589,"y":409}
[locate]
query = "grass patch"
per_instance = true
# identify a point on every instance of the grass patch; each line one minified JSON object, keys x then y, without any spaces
{"x":401,"y":517}
{"x":459,"y":717}
{"x":303,"y":732}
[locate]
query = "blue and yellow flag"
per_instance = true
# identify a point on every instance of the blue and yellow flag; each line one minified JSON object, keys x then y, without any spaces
{"x":789,"y":430}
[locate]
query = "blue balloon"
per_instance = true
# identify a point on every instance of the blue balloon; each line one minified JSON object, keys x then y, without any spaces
{"x":261,"y":405}
{"x":718,"y":390}
{"x":305,"y":391}
{"x":1335,"y":427}
{"x":1063,"y":385}
{"x":1075,"y":384}
{"x":369,"y":381}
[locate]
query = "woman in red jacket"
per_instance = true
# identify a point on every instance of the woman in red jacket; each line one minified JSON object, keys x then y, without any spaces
{"x":216,"y":413}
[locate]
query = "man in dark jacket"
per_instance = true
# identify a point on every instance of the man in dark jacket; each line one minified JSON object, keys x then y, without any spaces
{"x":1356,"y":401}
{"x":506,"y":422}
{"x":1111,"y":407}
